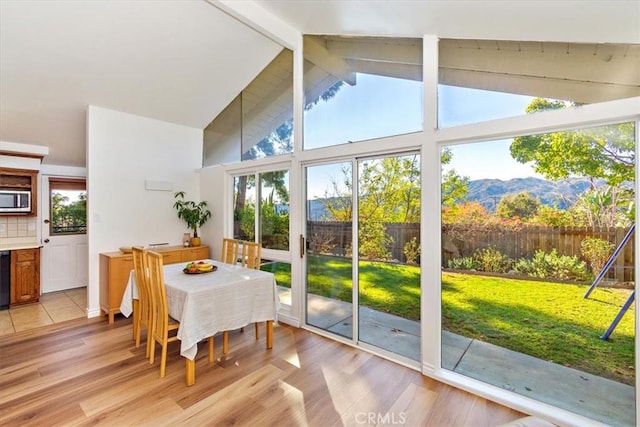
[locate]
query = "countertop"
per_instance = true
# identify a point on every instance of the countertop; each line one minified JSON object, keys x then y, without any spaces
{"x":17,"y":246}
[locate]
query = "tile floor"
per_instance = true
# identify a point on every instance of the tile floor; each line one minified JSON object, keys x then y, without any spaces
{"x":53,"y":307}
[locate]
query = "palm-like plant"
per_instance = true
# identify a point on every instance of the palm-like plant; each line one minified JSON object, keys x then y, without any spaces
{"x":194,"y":214}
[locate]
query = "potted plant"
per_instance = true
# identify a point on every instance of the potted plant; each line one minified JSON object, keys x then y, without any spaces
{"x":194,"y":214}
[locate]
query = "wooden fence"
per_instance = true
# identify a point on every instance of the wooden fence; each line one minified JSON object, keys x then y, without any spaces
{"x":522,"y":242}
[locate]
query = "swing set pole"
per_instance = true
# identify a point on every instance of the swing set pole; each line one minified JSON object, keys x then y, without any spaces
{"x":610,"y":261}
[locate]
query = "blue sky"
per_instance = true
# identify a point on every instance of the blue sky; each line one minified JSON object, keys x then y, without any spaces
{"x":377,"y":107}
{"x":479,"y":161}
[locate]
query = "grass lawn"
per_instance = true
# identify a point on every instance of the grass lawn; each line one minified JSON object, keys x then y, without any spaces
{"x":551,"y":321}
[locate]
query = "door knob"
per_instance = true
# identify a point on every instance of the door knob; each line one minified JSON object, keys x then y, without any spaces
{"x":46,"y":221}
{"x":46,"y":240}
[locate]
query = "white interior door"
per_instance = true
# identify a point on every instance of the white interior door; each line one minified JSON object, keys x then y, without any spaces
{"x":64,"y":254}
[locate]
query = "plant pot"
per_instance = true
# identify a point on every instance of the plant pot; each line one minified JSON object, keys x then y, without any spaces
{"x":195,"y":241}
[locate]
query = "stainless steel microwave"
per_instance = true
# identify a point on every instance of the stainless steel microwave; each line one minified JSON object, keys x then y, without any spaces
{"x":15,"y":201}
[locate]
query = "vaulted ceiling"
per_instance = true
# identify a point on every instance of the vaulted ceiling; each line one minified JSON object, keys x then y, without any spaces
{"x":184,"y":61}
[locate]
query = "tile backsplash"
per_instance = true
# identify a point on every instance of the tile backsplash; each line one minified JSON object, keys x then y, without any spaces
{"x":18,"y":226}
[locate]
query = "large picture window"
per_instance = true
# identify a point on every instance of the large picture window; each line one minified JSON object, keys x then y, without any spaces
{"x":524,"y":238}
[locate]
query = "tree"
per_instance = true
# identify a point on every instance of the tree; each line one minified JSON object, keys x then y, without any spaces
{"x":466,"y":213}
{"x":552,"y":217}
{"x":66,"y":216}
{"x":454,"y":188}
{"x":606,"y":152}
{"x":604,"y":207}
{"x":522,"y":205}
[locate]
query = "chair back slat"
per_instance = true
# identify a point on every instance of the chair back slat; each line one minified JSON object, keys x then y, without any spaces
{"x":230,"y":251}
{"x":142,"y":319}
{"x":251,"y":255}
{"x":142,"y":279}
{"x":160,"y":312}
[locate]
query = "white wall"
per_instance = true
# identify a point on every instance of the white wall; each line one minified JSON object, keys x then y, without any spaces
{"x":212,"y":190}
{"x":123,"y":151}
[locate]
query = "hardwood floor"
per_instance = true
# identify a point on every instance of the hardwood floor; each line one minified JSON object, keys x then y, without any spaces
{"x":86,"y":372}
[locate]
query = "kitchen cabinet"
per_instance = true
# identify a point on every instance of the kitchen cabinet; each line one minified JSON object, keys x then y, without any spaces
{"x":194,"y":253}
{"x":25,"y":276}
{"x":115,"y":268}
{"x":21,"y":179}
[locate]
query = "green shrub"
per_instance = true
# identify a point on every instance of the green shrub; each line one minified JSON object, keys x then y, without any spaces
{"x":597,"y":252}
{"x":491,"y":260}
{"x":464,"y":263}
{"x":411,"y":251}
{"x":552,"y":266}
{"x":374,"y":241}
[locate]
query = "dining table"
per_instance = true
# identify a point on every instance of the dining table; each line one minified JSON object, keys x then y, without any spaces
{"x":227,"y":298}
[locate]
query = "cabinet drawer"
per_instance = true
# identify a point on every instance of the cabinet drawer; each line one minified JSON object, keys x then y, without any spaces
{"x":25,"y":255}
{"x":195,"y":254}
{"x":171,"y":257}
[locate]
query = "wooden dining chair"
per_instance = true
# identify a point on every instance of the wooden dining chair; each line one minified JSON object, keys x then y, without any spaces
{"x":164,"y":326}
{"x":230,"y":250}
{"x":142,"y":309}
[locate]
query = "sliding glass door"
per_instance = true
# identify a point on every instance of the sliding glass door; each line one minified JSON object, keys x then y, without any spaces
{"x":329,"y":264}
{"x":362,"y":251}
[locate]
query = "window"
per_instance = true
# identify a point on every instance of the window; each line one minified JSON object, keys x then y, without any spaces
{"x":519,"y":251}
{"x":360,"y":88}
{"x":271,"y":224}
{"x":482,"y":80}
{"x":68,"y":199}
{"x":259,"y":122}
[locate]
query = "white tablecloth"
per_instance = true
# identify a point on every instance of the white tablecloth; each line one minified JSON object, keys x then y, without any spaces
{"x":208,"y":303}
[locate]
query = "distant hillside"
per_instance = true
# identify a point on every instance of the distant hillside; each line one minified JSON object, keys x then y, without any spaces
{"x":560,"y":194}
{"x":488,"y":192}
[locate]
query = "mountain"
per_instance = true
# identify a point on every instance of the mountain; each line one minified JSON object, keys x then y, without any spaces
{"x":488,"y":192}
{"x":560,"y":194}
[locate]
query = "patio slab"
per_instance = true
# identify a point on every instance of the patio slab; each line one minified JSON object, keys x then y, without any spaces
{"x":589,"y":395}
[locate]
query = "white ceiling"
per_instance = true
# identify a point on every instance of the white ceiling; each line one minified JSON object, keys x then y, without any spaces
{"x":184,"y":61}
{"x":176,"y":61}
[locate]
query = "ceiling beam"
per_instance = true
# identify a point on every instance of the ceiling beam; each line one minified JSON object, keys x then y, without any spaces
{"x":388,"y":69}
{"x":578,"y":91}
{"x":550,"y":61}
{"x":315,"y":52}
{"x":403,"y":51}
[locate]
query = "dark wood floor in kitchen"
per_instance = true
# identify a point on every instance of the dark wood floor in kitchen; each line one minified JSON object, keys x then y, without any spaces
{"x":86,"y":372}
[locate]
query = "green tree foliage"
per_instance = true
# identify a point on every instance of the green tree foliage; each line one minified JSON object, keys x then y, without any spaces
{"x":389,"y":189}
{"x":373,"y":241}
{"x":337,"y":201}
{"x":454,"y":188}
{"x":522,"y":205}
{"x":606,"y":152}
{"x":604,"y":207}
{"x":68,"y":217}
{"x":466,"y":213}
{"x":552,"y":217}
{"x":275,"y":191}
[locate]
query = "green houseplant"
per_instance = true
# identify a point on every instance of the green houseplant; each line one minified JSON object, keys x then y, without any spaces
{"x":194,"y":214}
